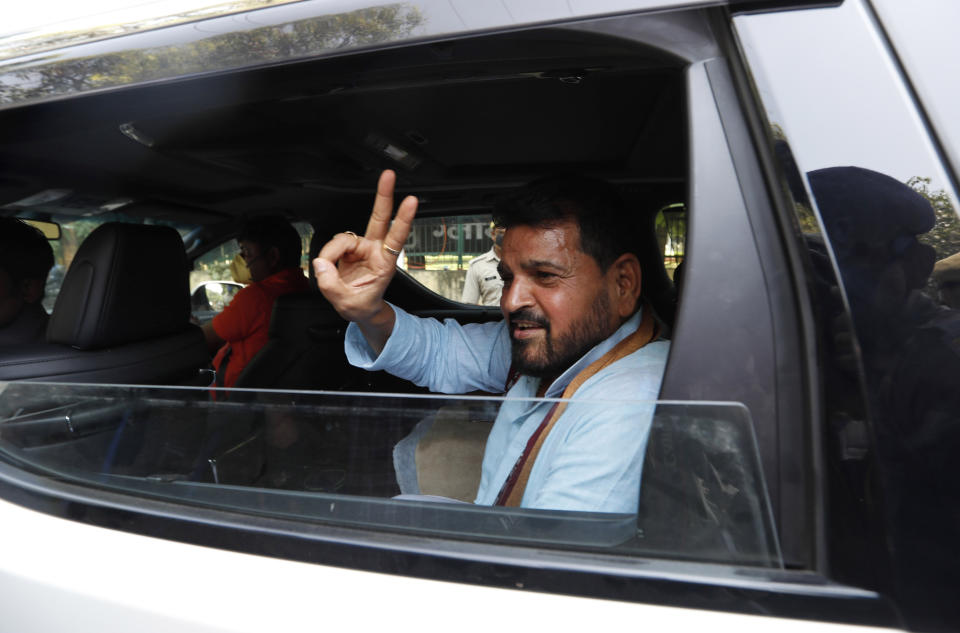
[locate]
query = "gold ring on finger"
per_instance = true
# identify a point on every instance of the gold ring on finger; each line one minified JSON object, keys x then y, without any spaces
{"x":357,"y":237}
{"x":392,"y":251}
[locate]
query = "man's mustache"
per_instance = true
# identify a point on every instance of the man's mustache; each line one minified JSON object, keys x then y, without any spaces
{"x":528,"y":315}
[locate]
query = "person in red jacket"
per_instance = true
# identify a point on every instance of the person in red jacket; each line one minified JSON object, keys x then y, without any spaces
{"x":271,"y":248}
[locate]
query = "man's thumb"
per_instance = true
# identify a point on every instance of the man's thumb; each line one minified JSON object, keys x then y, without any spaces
{"x":326,"y":274}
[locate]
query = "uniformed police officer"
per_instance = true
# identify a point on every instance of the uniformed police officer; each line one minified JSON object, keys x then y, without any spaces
{"x":946,"y":274}
{"x":483,"y":284}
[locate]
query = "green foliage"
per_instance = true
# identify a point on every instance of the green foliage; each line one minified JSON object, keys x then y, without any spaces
{"x":945,"y":235}
{"x":306,"y":38}
{"x":215,"y":263}
{"x":670,"y":225}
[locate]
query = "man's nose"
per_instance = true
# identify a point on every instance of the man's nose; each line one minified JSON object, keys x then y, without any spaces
{"x":516,"y":295}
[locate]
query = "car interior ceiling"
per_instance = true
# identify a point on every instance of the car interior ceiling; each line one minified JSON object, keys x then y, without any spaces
{"x":460,"y":121}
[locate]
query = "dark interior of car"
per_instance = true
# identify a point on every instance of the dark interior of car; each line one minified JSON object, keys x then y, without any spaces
{"x":461,"y":122}
{"x":470,"y":119}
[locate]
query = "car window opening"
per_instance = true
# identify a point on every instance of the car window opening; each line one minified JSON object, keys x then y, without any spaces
{"x":312,"y":147}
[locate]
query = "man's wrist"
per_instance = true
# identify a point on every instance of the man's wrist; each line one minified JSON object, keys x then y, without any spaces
{"x":377,"y":328}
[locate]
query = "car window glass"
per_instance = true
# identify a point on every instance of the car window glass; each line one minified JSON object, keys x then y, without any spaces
{"x":878,"y":221}
{"x":440,"y":251}
{"x":925,"y":44}
{"x":340,"y":459}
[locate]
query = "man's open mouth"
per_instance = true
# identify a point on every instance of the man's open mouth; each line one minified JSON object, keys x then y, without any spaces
{"x":525,"y":328}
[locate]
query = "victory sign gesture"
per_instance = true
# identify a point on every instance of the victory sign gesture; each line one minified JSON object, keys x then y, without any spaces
{"x":353,"y":272}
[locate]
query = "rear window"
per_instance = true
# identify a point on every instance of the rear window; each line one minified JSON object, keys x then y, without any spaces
{"x":440,"y":251}
{"x":73,"y":230}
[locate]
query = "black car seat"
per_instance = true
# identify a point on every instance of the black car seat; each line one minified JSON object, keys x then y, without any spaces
{"x":305,"y":345}
{"x":304,"y":349}
{"x":122,"y":315}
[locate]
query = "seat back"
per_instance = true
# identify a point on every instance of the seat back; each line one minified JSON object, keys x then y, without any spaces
{"x":305,"y":346}
{"x":122,"y":315}
{"x":128,"y":282}
{"x":304,"y":350}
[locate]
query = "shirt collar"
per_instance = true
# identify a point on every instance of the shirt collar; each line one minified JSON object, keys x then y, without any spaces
{"x":629,"y":327}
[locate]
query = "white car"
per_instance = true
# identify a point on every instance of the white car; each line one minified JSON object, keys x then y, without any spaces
{"x":799,"y":160}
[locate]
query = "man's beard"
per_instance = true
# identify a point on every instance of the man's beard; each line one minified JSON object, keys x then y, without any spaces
{"x":552,"y":356}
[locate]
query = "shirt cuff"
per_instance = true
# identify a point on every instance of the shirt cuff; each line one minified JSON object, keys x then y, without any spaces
{"x":360,"y":354}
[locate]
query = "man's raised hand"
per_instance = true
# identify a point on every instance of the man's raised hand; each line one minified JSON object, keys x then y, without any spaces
{"x":353,"y":272}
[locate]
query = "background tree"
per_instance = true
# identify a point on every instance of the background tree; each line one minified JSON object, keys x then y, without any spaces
{"x":224,"y":51}
{"x":944,"y":237}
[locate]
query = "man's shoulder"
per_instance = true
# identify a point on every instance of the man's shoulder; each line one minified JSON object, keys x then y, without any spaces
{"x":283,"y":282}
{"x":616,"y":399}
{"x":247,"y":300}
{"x":650,"y":357}
{"x":485,"y":258}
{"x":636,"y":375}
{"x":251,"y":292}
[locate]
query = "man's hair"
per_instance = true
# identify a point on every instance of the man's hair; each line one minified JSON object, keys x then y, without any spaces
{"x":24,"y":251}
{"x":270,"y":231}
{"x":606,"y":230}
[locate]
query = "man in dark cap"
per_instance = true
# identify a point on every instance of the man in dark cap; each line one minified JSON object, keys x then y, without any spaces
{"x":911,"y":362}
{"x":872,"y":222}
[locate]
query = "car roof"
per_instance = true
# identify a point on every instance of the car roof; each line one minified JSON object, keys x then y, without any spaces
{"x":460,"y":121}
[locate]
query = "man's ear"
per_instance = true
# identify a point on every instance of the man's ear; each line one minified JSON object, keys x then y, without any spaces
{"x":627,"y":279}
{"x":32,"y":290}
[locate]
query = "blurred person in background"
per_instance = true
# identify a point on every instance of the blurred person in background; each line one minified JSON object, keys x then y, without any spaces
{"x":25,"y":261}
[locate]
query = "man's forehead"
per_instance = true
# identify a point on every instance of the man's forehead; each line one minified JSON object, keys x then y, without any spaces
{"x":561,"y":231}
{"x":553,"y":243}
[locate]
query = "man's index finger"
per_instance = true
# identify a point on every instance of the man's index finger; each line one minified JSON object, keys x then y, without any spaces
{"x":382,"y":207}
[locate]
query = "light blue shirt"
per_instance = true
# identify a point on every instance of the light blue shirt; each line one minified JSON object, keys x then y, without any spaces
{"x":592,"y":458}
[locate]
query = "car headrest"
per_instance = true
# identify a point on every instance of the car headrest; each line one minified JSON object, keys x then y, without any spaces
{"x":127,"y":282}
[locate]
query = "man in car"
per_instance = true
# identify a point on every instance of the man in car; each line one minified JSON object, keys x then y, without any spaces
{"x":573,"y":327}
{"x":271,"y":248}
{"x":25,"y":261}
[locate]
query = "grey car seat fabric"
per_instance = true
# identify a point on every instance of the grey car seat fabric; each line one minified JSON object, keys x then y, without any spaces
{"x":122,"y":315}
